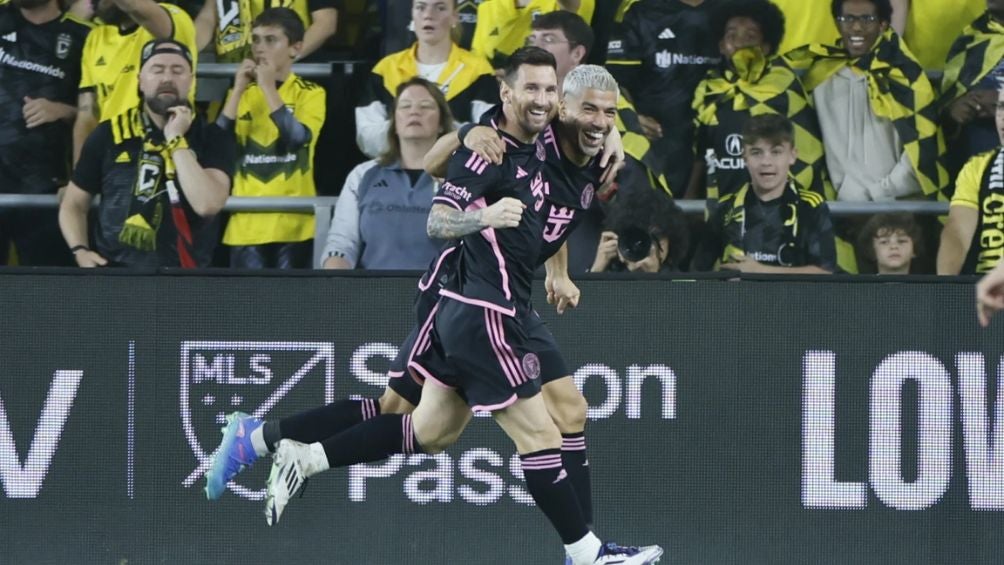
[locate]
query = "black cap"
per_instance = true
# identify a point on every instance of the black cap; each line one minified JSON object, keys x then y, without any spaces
{"x":160,"y":46}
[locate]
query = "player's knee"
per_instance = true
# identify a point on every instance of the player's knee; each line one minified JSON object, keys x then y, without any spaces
{"x":393,"y":403}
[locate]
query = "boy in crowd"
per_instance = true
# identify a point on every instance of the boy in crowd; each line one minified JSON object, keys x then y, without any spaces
{"x":770,"y":225}
{"x":275,"y":116}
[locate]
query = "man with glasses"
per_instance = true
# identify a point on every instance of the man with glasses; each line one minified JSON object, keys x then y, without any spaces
{"x":502,"y":27}
{"x":876,"y":108}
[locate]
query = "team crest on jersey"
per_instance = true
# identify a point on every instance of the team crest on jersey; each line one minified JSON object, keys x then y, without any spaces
{"x":586,"y":198}
{"x":63,"y":43}
{"x":531,"y":365}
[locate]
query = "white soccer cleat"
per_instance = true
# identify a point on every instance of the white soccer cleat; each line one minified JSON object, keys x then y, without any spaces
{"x":292,"y":464}
{"x":612,"y":553}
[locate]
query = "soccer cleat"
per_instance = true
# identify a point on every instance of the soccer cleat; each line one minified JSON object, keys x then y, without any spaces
{"x":234,"y":454}
{"x":612,"y":553}
{"x":292,"y":464}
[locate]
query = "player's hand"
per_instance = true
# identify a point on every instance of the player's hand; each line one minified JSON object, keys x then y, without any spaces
{"x":562,"y":292}
{"x":990,"y":295}
{"x":179,"y":119}
{"x":742,"y":263}
{"x":485,"y":141}
{"x":88,"y":259}
{"x":265,"y":73}
{"x":613,"y":156}
{"x":965,"y":108}
{"x":245,"y":74}
{"x":39,"y":111}
{"x":506,"y":213}
{"x":650,"y":127}
{"x":606,"y":252}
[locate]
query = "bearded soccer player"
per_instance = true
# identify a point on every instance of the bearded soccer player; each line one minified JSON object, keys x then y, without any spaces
{"x":162,"y":174}
{"x":41,"y":48}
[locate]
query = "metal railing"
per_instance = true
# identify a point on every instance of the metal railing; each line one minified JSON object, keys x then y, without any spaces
{"x":323,"y":208}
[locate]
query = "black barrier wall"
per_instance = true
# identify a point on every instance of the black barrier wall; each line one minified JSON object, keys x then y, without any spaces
{"x":731,"y":422}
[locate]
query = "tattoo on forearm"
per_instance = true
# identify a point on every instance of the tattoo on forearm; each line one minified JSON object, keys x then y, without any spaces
{"x":447,"y":223}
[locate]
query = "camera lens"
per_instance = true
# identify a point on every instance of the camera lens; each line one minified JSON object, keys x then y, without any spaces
{"x":634,"y":244}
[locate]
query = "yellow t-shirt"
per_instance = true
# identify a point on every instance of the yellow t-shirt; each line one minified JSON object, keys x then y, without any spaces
{"x":503,"y":28}
{"x":967,"y":185}
{"x":933,"y":25}
{"x":807,"y":21}
{"x":265,"y":168}
{"x":110,"y":62}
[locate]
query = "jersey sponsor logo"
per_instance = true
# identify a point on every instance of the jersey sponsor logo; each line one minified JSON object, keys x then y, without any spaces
{"x":12,"y":37}
{"x":586,"y":198}
{"x":63,"y":43}
{"x":615,"y":45}
{"x":531,"y":365}
{"x":476,"y":164}
{"x":6,"y":59}
{"x":258,"y":159}
{"x":457,"y":192}
{"x":123,"y":157}
{"x":664,"y":59}
{"x":734,"y":144}
{"x":667,"y":34}
{"x":557,"y":222}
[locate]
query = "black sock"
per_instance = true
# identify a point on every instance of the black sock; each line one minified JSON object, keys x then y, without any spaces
{"x":372,"y":440}
{"x":573,"y":457}
{"x":321,"y":423}
{"x":552,"y":491}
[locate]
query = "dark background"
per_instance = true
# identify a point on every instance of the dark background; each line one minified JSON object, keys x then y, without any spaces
{"x":718,"y":480}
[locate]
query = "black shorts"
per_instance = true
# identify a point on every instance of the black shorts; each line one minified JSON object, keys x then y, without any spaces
{"x":400,"y":380}
{"x":486,"y":356}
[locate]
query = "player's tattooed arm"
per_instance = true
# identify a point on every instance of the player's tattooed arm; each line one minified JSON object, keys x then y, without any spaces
{"x":446,"y":222}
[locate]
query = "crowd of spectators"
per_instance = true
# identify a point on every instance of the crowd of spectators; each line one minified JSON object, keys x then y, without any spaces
{"x":766,"y":109}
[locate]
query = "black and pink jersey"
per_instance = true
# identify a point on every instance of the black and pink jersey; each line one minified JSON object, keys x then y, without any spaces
{"x":494,"y":267}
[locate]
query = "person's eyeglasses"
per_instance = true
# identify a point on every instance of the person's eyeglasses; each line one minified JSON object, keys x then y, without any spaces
{"x":865,"y":20}
{"x":547,"y":39}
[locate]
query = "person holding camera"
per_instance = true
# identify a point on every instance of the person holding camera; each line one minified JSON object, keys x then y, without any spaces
{"x":646,"y":232}
{"x":770,"y":225}
{"x":275,"y":117}
{"x":162,"y":173}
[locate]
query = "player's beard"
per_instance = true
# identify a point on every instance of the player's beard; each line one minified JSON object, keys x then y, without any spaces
{"x":29,"y":4}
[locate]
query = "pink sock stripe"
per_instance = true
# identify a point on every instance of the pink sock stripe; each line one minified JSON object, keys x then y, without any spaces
{"x":507,"y":367}
{"x":573,"y":444}
{"x":368,"y":408}
{"x":542,"y":462}
{"x":408,"y":435}
{"x":521,"y":377}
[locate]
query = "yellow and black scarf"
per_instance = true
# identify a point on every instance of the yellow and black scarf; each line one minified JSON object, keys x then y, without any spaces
{"x":155,"y":176}
{"x":637,"y":145}
{"x":974,"y":54}
{"x":898,"y":90}
{"x":233,"y":32}
{"x":758,"y":86}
